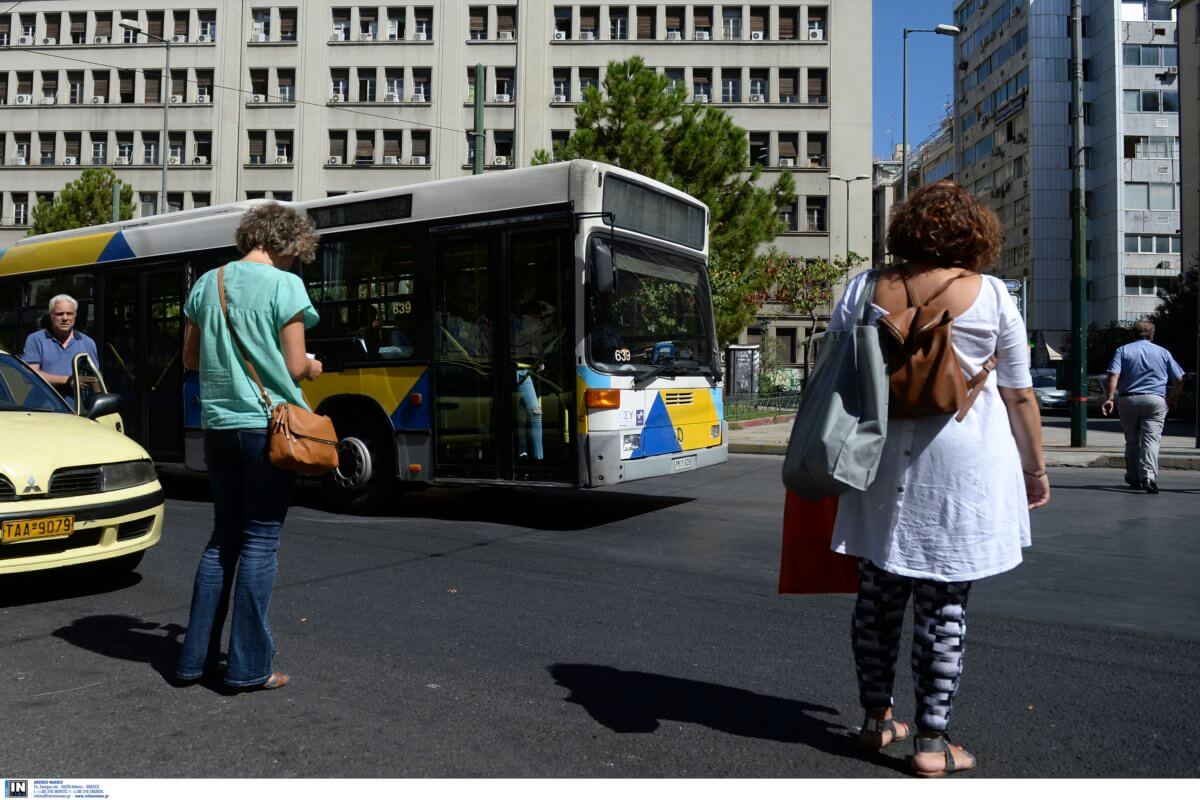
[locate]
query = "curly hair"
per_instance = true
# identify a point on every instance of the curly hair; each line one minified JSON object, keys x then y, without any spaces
{"x":278,"y":230}
{"x":944,"y":225}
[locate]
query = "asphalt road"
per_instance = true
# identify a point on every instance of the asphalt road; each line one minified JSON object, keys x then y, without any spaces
{"x":636,"y":632}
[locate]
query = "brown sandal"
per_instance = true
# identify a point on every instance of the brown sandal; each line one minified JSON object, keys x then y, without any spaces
{"x":871,"y":736}
{"x":277,"y":680}
{"x":940,"y":744}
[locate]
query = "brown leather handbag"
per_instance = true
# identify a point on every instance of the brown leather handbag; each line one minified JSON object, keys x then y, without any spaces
{"x":925,"y":378}
{"x":297,"y":439}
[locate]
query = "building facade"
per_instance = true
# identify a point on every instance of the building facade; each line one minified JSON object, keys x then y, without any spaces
{"x":1013,"y":106}
{"x":320,"y":98}
{"x":885,"y":184}
{"x":1189,"y":120}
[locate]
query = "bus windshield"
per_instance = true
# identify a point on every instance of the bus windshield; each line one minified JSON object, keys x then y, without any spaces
{"x":658,"y":319}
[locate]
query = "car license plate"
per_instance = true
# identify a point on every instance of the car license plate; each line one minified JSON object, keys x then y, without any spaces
{"x":22,"y":530}
{"x":683,"y":464}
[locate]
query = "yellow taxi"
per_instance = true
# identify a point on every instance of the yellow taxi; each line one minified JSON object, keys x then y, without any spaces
{"x":73,"y":488}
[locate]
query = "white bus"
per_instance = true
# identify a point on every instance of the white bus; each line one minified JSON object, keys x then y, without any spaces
{"x":550,"y":325}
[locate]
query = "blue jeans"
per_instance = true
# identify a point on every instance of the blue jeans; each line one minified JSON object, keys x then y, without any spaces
{"x":250,"y":501}
{"x":530,"y":433}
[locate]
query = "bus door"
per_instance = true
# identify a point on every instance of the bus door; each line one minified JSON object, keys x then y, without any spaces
{"x":504,"y":376}
{"x":142,"y":355}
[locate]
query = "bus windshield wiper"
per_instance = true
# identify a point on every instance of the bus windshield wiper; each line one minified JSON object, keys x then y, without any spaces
{"x":670,"y":370}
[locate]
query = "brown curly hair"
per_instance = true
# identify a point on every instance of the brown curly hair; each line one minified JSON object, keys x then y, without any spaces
{"x":944,"y":225}
{"x":278,"y":230}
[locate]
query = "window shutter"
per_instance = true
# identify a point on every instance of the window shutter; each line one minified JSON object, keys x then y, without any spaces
{"x":155,"y":25}
{"x":287,"y":25}
{"x":337,"y":143}
{"x":181,"y":22}
{"x":477,"y":23}
{"x":816,"y":146}
{"x":787,"y":84}
{"x":103,"y":26}
{"x":286,"y":79}
{"x":126,"y":83}
{"x":4,"y":24}
{"x":587,"y":21}
{"x":365,"y":147}
{"x":78,"y":25}
{"x":153,"y":88}
{"x":674,"y":20}
{"x":645,"y":24}
{"x":100,"y":83}
{"x":258,"y":144}
{"x":703,"y":18}
{"x":391,"y":143}
{"x":787,"y":24}
{"x":179,"y":82}
{"x":53,"y":23}
{"x":72,"y":143}
{"x":420,"y":143}
{"x":758,"y":20}
{"x":283,"y":139}
{"x":700,"y":80}
{"x":505,"y":20}
{"x":49,"y":82}
{"x":787,"y":147}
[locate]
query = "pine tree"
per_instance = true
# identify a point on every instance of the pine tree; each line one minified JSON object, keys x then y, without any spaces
{"x":640,"y":123}
{"x":87,"y":200}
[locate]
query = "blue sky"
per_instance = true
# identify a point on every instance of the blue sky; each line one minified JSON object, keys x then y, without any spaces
{"x":930,"y":76}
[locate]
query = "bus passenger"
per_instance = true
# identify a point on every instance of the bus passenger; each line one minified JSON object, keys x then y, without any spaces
{"x":270,"y":310}
{"x":51,"y":351}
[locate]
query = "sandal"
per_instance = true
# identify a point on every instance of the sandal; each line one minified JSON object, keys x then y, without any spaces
{"x":872,"y":735}
{"x":940,"y":744}
{"x":277,"y":680}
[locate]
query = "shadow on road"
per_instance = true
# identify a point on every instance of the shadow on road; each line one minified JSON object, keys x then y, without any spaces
{"x":84,"y":580}
{"x":636,"y":702}
{"x":127,"y":638}
{"x":536,"y":508}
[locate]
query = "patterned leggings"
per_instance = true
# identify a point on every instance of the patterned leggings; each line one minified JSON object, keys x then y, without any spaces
{"x":939,"y":632}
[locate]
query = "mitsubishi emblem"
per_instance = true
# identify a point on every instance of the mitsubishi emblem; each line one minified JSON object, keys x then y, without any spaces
{"x":31,"y":485}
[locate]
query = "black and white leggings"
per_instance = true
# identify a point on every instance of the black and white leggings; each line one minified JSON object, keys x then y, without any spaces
{"x":939,"y":632}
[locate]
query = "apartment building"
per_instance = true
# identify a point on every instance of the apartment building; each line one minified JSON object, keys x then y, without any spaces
{"x":1013,"y":101}
{"x":885,"y":193}
{"x":1189,"y":120}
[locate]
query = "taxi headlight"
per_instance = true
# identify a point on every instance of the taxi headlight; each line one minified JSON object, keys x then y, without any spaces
{"x":125,"y":475}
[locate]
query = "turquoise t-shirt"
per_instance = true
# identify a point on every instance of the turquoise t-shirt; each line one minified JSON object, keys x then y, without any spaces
{"x":262,"y":299}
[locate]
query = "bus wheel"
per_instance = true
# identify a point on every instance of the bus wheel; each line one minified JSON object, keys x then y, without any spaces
{"x":355,"y":466}
{"x":366,"y":467}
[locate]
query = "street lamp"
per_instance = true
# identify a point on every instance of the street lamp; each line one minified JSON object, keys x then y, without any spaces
{"x":848,"y":181}
{"x":940,"y":30}
{"x":164,"y":145}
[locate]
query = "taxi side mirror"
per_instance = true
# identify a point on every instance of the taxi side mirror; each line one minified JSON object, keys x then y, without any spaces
{"x":103,"y":404}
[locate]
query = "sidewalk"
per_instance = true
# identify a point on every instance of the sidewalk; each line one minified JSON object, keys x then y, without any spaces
{"x":1105,"y":443}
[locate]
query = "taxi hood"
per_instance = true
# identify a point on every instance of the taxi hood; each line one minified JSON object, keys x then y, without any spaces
{"x":34,"y":444}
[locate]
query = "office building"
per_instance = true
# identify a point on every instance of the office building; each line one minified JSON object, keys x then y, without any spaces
{"x":1013,"y":106}
{"x":1189,"y":120}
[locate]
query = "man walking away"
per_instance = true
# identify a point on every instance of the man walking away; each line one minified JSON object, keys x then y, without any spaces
{"x":1138,"y":375}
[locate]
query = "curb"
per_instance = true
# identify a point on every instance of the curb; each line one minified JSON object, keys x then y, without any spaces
{"x":754,"y":423}
{"x":1054,"y":458}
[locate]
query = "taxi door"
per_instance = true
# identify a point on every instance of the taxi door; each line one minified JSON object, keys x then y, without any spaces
{"x":92,"y":398}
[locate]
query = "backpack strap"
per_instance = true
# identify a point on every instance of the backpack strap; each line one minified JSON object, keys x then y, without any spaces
{"x":975,"y":386}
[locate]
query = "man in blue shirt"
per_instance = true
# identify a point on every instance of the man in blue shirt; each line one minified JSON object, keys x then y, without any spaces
{"x":51,"y":351}
{"x":1138,"y":375}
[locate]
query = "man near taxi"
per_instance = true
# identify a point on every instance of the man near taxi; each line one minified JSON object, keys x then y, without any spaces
{"x":51,"y":351}
{"x":1138,"y":378}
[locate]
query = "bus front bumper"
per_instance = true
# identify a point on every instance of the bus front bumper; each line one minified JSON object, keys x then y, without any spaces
{"x":606,"y":467}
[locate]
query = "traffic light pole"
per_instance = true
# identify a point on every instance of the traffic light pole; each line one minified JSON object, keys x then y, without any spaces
{"x":1078,"y":381}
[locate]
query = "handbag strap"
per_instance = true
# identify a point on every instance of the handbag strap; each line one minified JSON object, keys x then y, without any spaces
{"x":862,"y":311}
{"x":233,"y":333}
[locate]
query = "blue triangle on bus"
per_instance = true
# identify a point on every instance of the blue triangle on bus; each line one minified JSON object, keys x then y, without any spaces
{"x":658,"y":436}
{"x":116,"y":249}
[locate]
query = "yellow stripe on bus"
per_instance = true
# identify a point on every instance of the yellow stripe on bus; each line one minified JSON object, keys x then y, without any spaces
{"x":58,"y":253}
{"x":388,"y":386}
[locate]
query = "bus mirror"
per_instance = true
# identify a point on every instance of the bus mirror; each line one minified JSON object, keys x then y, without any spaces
{"x":604,"y":267}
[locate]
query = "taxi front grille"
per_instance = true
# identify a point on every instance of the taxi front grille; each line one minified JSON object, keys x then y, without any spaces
{"x":7,"y":492}
{"x":73,"y":481}
{"x":678,"y":398}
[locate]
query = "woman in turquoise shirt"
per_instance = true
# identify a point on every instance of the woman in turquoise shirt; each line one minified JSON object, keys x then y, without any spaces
{"x":270,"y":310}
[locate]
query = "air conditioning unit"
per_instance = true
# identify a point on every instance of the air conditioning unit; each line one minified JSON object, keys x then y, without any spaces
{"x":49,"y":40}
{"x":281,"y":159}
{"x":258,"y":36}
{"x":366,"y":37}
{"x":816,"y":35}
{"x":503,"y":98}
{"x":758,"y":98}
{"x":338,"y":35}
{"x":391,"y":97}
{"x":121,"y":161}
{"x":49,"y":100}
{"x":173,"y":161}
{"x":700,"y":98}
{"x":560,"y":98}
{"x":24,"y":99}
{"x":419,"y":97}
{"x":25,"y":40}
{"x":997,"y":191}
{"x":254,"y":98}
{"x":500,"y":161}
{"x":334,"y":160}
{"x":20,"y":161}
{"x":99,"y":100}
{"x":392,"y":160}
{"x":507,"y":36}
{"x":420,"y":36}
{"x":756,"y":36}
{"x":100,"y":40}
{"x":1165,"y":265}
{"x":338,"y":98}
{"x":70,"y":161}
{"x":560,"y":36}
{"x":200,"y":161}
{"x":703,"y":36}
{"x":204,"y":38}
{"x":179,"y":38}
{"x":674,"y":36}
{"x":985,"y":119}
{"x":787,"y":162}
{"x":587,"y":36}
{"x":204,"y":98}
{"x":418,"y":161}
{"x":1172,"y":70}
{"x":176,"y":98}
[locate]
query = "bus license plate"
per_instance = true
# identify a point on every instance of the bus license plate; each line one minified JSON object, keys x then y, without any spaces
{"x":22,"y":530}
{"x":683,"y":464}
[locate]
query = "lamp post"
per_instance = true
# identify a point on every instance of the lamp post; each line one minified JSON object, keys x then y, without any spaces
{"x":940,"y":30}
{"x":164,"y":145}
{"x":848,"y":181}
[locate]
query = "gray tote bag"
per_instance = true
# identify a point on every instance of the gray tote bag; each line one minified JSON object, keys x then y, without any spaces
{"x":838,"y":435}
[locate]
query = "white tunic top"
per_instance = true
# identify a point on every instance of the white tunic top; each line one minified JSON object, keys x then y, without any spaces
{"x":948,"y":502}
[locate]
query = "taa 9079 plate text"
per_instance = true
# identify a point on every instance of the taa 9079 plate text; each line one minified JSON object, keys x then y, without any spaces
{"x":22,"y":530}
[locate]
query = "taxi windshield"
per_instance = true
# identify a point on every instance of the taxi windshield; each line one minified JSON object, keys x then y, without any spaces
{"x":22,"y":390}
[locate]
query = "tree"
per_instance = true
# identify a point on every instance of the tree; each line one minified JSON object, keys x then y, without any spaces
{"x":1175,"y":321}
{"x":87,"y":200}
{"x":640,"y":123}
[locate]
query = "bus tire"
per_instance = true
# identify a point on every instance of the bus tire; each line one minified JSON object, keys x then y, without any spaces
{"x":366,"y":466}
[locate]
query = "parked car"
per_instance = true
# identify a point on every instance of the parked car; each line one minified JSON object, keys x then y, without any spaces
{"x":73,"y":488}
{"x":1045,"y":385}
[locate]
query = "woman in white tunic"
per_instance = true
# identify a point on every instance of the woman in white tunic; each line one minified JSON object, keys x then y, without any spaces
{"x":950,"y":503}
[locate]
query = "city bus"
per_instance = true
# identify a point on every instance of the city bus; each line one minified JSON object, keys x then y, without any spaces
{"x":550,"y":325}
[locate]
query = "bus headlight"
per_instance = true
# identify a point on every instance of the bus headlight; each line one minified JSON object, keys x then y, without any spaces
{"x":126,"y":474}
{"x":715,"y":431}
{"x":631,"y":442}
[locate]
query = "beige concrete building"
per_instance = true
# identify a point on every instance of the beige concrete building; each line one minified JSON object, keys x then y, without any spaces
{"x":1189,"y":120}
{"x":885,"y":184}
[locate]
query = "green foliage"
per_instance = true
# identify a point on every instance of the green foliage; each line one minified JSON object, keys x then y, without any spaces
{"x":806,"y":285}
{"x":87,"y":200}
{"x":1175,"y":321}
{"x":641,"y":124}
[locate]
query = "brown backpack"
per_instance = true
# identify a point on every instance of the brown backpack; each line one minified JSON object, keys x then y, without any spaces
{"x":924,"y":376}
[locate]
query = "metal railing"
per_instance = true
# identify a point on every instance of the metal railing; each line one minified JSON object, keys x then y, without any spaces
{"x":739,"y":408}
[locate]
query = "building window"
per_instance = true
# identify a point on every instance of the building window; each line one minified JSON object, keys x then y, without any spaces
{"x":283,"y":147}
{"x":287,"y":24}
{"x":731,"y":23}
{"x":817,"y":29}
{"x":760,"y":149}
{"x":788,"y":216}
{"x":208,"y":26}
{"x":558,"y":140}
{"x":789,"y":79}
{"x":368,"y":25}
{"x":818,"y":86}
{"x":588,"y":78}
{"x":1151,"y":146}
{"x":1159,"y":244}
{"x":258,"y":85}
{"x":674,"y":22}
{"x":818,"y":156}
{"x":789,"y":147}
{"x":366,"y":85}
{"x":506,"y":22}
{"x":99,"y":148}
{"x":589,"y":23}
{"x":422,"y":81}
{"x":702,"y":21}
{"x":20,"y":212}
{"x":287,"y":85}
{"x":150,"y":148}
{"x":148,"y":204}
{"x":674,"y":78}
{"x":337,"y":147}
{"x":505,"y":85}
{"x":339,"y":85}
{"x":478,"y":23}
{"x":261,"y":30}
{"x":257,"y":146}
{"x":201,"y":200}
{"x":618,"y":24}
{"x":423,"y":24}
{"x":731,"y":90}
{"x":1148,"y":287}
{"x":394,"y":84}
{"x":789,"y":23}
{"x":174,"y":201}
{"x":759,"y":85}
{"x":815,"y":211}
{"x":364,"y":147}
{"x":202,"y":142}
{"x":702,"y":85}
{"x":341,"y":25}
{"x":562,"y":22}
{"x":562,"y":85}
{"x":420,"y":147}
{"x":503,"y":143}
{"x":1153,"y":196}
